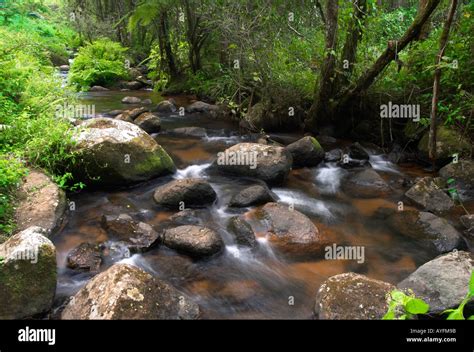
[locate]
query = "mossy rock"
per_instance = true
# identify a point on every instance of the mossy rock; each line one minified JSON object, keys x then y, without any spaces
{"x":27,"y":274}
{"x":448,"y":143}
{"x":115,"y":153}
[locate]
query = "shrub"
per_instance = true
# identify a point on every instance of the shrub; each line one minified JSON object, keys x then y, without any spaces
{"x":99,"y":63}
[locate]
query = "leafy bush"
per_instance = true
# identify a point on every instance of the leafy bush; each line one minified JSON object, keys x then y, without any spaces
{"x":99,"y":63}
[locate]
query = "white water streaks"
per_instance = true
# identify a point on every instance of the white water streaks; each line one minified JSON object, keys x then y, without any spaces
{"x":328,"y":178}
{"x":380,"y":163}
{"x":192,"y":171}
{"x":303,"y":202}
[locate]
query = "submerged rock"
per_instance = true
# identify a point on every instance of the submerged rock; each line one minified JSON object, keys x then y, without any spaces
{"x":242,"y":231}
{"x":197,"y":132}
{"x":98,"y":89}
{"x":40,"y":203}
{"x":148,"y":122}
{"x":442,"y":282}
{"x":27,"y":274}
{"x":195,"y":241}
{"x":253,"y":195}
{"x":289,"y":230}
{"x":131,"y":100}
{"x":190,"y":193}
{"x":116,"y":153}
{"x":268,"y":163}
{"x":427,"y":194}
{"x":351,"y":296}
{"x":128,"y":292}
{"x":138,"y":236}
{"x":366,"y":184}
{"x":85,"y":257}
{"x":306,"y":152}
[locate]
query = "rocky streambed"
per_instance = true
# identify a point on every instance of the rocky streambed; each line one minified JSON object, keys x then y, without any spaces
{"x":178,"y":227}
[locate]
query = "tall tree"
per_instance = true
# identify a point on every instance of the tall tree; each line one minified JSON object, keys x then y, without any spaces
{"x":443,"y":42}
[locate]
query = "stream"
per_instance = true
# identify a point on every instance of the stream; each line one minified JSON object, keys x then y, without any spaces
{"x":243,"y":283}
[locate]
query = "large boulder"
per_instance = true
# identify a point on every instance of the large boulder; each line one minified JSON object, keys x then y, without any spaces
{"x":189,"y":192}
{"x":289,"y":230}
{"x":40,"y":203}
{"x":195,"y":241}
{"x":442,"y":282}
{"x":306,"y":152}
{"x":366,"y":184}
{"x":253,"y":195}
{"x":116,"y":153}
{"x":351,"y":296}
{"x":85,"y":257}
{"x":128,"y":292}
{"x":148,"y":122}
{"x":426,"y":227}
{"x":27,"y":274}
{"x":428,"y":195}
{"x":448,"y":143}
{"x":201,"y":107}
{"x":137,"y":236}
{"x":242,"y":231}
{"x":462,"y":173}
{"x":268,"y":163}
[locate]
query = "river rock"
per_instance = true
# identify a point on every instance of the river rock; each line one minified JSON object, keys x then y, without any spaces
{"x":195,"y":241}
{"x":134,"y":113}
{"x":428,"y":195}
{"x":306,"y":152}
{"x":131,"y":100}
{"x":190,"y":217}
{"x":290,"y":230}
{"x":98,"y":89}
{"x":442,"y":282}
{"x":201,"y":107}
{"x":124,"y":117}
{"x":128,"y":292}
{"x":197,"y":132}
{"x":138,"y":236}
{"x":463,"y":175}
{"x":242,"y":231}
{"x":148,"y":122}
{"x":114,"y":113}
{"x":334,"y":155}
{"x":116,"y":153}
{"x":428,"y":227}
{"x":351,"y":296}
{"x":132,"y":85}
{"x":268,"y":163}
{"x":468,"y":221}
{"x":40,"y":202}
{"x":253,"y":195}
{"x":166,"y":106}
{"x":147,"y":102}
{"x":85,"y":257}
{"x":366,"y":184}
{"x":64,"y":68}
{"x":27,"y":274}
{"x":190,"y":192}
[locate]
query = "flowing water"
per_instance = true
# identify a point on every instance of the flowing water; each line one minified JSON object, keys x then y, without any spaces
{"x":244,"y":283}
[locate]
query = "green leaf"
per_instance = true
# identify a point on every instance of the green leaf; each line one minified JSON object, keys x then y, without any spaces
{"x":390,"y":315}
{"x":471,"y":317}
{"x":417,"y":306}
{"x":471,"y":285}
{"x":456,"y":314}
{"x":398,"y":296}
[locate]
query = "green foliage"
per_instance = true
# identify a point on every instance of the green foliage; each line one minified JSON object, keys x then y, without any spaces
{"x":404,"y":307}
{"x":99,"y":63}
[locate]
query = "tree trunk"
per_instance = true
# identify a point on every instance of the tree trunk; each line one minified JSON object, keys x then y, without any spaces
{"x":321,"y":106}
{"x":354,"y":34}
{"x":443,"y":42}
{"x":425,"y":30}
{"x":393,"y":48}
{"x":165,"y":41}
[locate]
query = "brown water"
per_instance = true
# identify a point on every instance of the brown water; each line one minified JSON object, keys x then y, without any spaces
{"x":242,"y":283}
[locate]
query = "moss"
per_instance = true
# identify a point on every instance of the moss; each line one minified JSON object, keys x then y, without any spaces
{"x":158,"y":161}
{"x":448,"y":143}
{"x":316,"y":144}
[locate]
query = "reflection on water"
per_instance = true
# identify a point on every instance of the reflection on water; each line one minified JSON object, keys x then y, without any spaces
{"x":245,"y":283}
